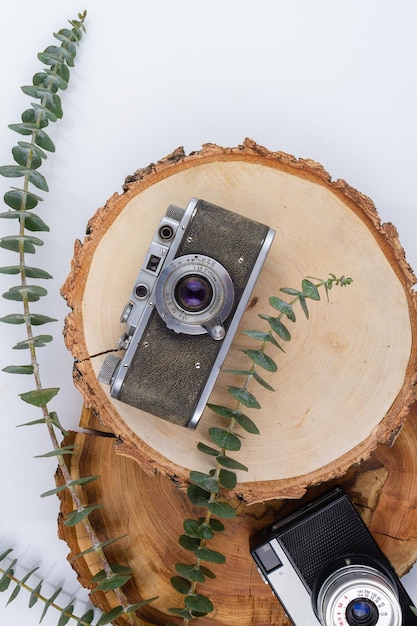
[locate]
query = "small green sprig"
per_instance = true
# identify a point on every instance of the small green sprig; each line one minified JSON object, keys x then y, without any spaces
{"x":29,"y":155}
{"x":207,"y":490}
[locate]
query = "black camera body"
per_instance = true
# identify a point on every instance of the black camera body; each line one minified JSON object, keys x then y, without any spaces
{"x":326,"y":569}
{"x":184,"y":309}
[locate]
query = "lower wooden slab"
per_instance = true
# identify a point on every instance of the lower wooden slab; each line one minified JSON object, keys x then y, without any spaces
{"x":148,"y":513}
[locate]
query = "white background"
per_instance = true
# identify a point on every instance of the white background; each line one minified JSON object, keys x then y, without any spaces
{"x":330,"y":80}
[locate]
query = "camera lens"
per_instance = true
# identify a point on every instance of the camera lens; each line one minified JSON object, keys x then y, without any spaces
{"x":193,"y":293}
{"x":362,"y":612}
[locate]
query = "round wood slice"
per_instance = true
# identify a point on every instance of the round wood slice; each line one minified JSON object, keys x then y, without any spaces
{"x":148,"y":512}
{"x":344,"y":382}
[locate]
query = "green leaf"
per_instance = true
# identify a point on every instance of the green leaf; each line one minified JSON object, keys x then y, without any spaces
{"x":190,"y":572}
{"x":131,"y":608}
{"x":291,"y":292}
{"x":111,"y":616}
{"x":310,"y":290}
{"x":283,"y":307}
{"x":30,"y":272}
{"x":227,"y":461}
{"x":19,"y":199}
{"x":86,"y":618}
{"x":39,"y":342}
{"x":66,"y":614}
{"x":26,"y":156}
{"x":212,"y":556}
{"x":278,"y":327}
{"x":246,"y":423}
{"x":13,"y":242}
{"x":5,"y":553}
{"x":74,"y":517}
{"x":20,"y":293}
{"x":18,"y":369}
{"x":215,"y":525}
{"x":37,"y":319}
{"x":100,"y":546}
{"x":261,"y":359}
{"x":304,"y":306}
{"x":115,"y":568}
{"x":22,"y":582}
{"x":35,"y":118}
{"x":37,"y":179}
{"x":206,"y":482}
{"x":12,"y":171}
{"x":25,"y":128}
{"x":182,"y":585}
{"x":39,"y":397}
{"x":227,"y":479}
{"x":56,"y":451}
{"x":50,"y":601}
{"x":261,"y":336}
{"x":181,"y":612}
{"x":207,"y":449}
{"x":221,"y":509}
{"x":34,"y":594}
{"x":114,"y":582}
{"x":30,"y":220}
{"x":5,"y":579}
{"x":34,"y":318}
{"x":197,"y":496}
{"x":199,"y":529}
{"x":197,"y":602}
{"x":225,"y":439}
{"x":72,"y":483}
{"x":223,"y":411}
{"x":189,"y":543}
{"x":44,"y":141}
{"x":262,"y":382}
{"x":244,"y":397}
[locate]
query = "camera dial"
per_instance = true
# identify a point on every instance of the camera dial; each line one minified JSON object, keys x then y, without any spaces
{"x":195,"y":295}
{"x":358,"y":595}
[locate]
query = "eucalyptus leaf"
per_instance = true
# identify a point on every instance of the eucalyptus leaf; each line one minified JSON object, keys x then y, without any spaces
{"x":19,"y":199}
{"x":212,"y":556}
{"x":244,"y":397}
{"x":283,"y":307}
{"x":56,"y":451}
{"x":38,"y":341}
{"x":100,"y":546}
{"x":66,"y":614}
{"x":38,"y":119}
{"x":18,"y":369}
{"x":223,"y":411}
{"x":245,"y":422}
{"x":206,"y":482}
{"x":279,"y":328}
{"x":197,"y":602}
{"x":39,"y":397}
{"x":189,"y":543}
{"x":111,"y":616}
{"x":262,"y":382}
{"x":26,"y":157}
{"x":34,"y":596}
{"x":225,"y":439}
{"x":261,"y":336}
{"x":50,"y":601}
{"x":261,"y":359}
{"x":44,"y":141}
{"x":310,"y":290}
{"x":74,"y":517}
{"x":190,"y":572}
{"x":207,"y":449}
{"x":22,"y":293}
{"x":87,"y":618}
{"x":227,"y":461}
{"x":30,"y":220}
{"x":221,"y":509}
{"x":114,"y":582}
{"x":197,"y":496}
{"x":180,"y":584}
{"x":227,"y":479}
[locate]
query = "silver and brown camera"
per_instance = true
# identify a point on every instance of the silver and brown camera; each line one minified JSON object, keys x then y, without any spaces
{"x":184,"y":309}
{"x":325,"y":568}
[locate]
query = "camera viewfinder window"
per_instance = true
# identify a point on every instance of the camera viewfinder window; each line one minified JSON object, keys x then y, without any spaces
{"x":268,"y":557}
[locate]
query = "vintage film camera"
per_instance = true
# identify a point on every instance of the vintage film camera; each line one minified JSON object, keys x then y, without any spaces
{"x":184,"y":309}
{"x":326,"y":569}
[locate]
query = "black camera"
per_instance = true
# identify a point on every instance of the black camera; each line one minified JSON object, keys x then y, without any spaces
{"x":184,"y":309}
{"x":326,"y":569}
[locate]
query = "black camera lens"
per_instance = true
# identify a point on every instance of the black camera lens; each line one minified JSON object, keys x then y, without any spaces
{"x":166,"y":232}
{"x":193,"y":293}
{"x":362,"y":612}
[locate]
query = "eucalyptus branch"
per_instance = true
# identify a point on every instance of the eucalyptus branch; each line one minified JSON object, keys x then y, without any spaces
{"x":29,"y":156}
{"x":207,"y":490}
